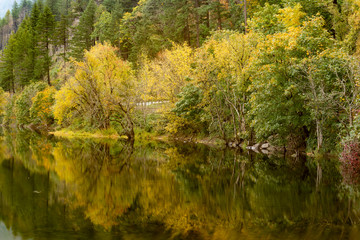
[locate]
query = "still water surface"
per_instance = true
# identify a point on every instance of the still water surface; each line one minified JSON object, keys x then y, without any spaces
{"x":54,"y":188}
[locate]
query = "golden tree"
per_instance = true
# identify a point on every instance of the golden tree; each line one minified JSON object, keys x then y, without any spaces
{"x":102,"y":91}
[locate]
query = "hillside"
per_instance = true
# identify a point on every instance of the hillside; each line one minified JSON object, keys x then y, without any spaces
{"x":5,"y":6}
{"x":12,"y":19}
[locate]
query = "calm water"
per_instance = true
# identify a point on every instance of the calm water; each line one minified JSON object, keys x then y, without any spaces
{"x":82,"y":189}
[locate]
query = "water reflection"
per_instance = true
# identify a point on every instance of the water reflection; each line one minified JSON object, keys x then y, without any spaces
{"x":90,"y":189}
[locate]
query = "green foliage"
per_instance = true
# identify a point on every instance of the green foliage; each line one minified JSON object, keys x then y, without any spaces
{"x":189,"y":99}
{"x":187,"y":118}
{"x":23,"y":102}
{"x":265,"y":20}
{"x":82,"y":39}
{"x":41,"y":108}
{"x":63,"y":34}
{"x":4,"y":100}
{"x":105,"y":28}
{"x":46,"y":30}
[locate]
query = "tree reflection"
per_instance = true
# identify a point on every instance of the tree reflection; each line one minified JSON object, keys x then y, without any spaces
{"x":186,"y":190}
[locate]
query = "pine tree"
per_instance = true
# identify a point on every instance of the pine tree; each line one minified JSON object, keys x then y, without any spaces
{"x":54,"y":5}
{"x":65,"y":7}
{"x":82,"y":39}
{"x":7,"y":77}
{"x":105,"y":28}
{"x":24,"y":62}
{"x":63,"y":34}
{"x":80,"y":6}
{"x":15,"y":14}
{"x":33,"y":50}
{"x":26,"y":6}
{"x":40,"y":4}
{"x":46,"y":30}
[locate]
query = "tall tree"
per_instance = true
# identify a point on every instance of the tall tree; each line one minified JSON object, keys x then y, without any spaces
{"x":63,"y":34}
{"x":24,"y":67}
{"x":7,"y":67}
{"x":54,"y":5}
{"x":15,"y":14}
{"x":33,"y":50}
{"x":46,"y":30}
{"x":82,"y":39}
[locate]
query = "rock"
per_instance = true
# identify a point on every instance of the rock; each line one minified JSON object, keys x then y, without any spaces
{"x":265,"y":151}
{"x":256,"y":146}
{"x":265,"y":148}
{"x":265,"y":145}
{"x":232,"y":144}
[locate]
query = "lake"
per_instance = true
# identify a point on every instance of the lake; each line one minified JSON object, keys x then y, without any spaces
{"x":53,"y":188}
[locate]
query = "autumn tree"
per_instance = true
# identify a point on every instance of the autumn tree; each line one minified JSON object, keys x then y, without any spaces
{"x":102,"y":91}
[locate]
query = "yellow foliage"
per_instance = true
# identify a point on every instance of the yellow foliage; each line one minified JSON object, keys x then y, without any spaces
{"x":42,"y":105}
{"x":65,"y":101}
{"x":291,"y":16}
{"x":103,"y":85}
{"x":166,"y":76}
{"x":4,"y":98}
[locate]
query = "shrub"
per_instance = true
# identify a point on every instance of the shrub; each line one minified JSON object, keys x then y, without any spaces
{"x":4,"y":100}
{"x":41,"y":109}
{"x":350,"y":161}
{"x":9,"y":116}
{"x":24,"y":102}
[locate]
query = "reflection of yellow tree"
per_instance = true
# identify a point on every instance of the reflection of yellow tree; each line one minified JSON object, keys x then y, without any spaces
{"x":190,"y":189}
{"x":94,"y":175}
{"x":41,"y":149}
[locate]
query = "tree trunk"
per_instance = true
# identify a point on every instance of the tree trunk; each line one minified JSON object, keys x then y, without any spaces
{"x":319,"y":134}
{"x":130,"y":128}
{"x":245,"y":15}
{"x":48,"y":64}
{"x":197,"y":5}
{"x":219,"y":16}
{"x":350,"y":117}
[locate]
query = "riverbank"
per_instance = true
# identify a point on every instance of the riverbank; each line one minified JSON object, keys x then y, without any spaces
{"x":65,"y":133}
{"x":140,"y":135}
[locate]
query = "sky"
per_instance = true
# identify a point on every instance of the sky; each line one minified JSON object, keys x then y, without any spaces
{"x":6,"y":5}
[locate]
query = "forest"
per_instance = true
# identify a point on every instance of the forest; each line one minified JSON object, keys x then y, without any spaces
{"x":280,"y":71}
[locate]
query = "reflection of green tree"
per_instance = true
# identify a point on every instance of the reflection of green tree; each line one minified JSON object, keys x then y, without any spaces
{"x":27,"y":204}
{"x":185,"y":189}
{"x":198,"y":189}
{"x":273,"y":193}
{"x":33,"y":149}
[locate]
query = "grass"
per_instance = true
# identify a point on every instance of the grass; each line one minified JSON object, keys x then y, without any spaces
{"x":106,"y":133}
{"x":141,"y":136}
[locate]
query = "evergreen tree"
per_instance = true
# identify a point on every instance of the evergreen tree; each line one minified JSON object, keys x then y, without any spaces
{"x":15,"y":14}
{"x":126,"y":5}
{"x":54,"y":5}
{"x":7,"y":77}
{"x":40,"y":4}
{"x":63,"y":34}
{"x":79,"y":6}
{"x":23,"y":54}
{"x":33,"y":50}
{"x":105,"y":28}
{"x":26,"y":6}
{"x":82,"y":39}
{"x":65,"y":7}
{"x":46,"y":30}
